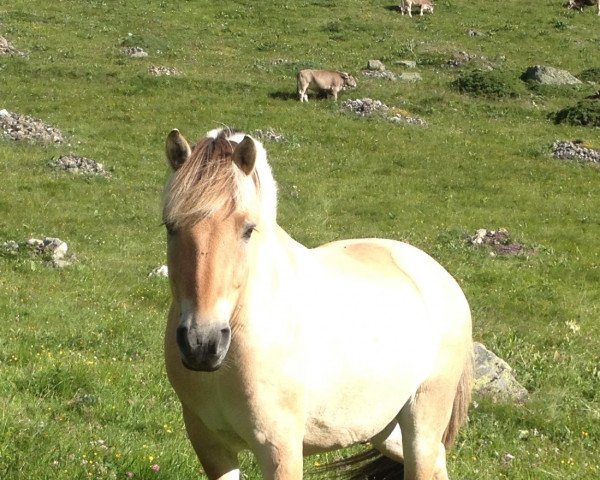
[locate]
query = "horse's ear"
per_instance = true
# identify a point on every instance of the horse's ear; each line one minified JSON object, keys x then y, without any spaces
{"x":244,"y":155}
{"x":178,"y":149}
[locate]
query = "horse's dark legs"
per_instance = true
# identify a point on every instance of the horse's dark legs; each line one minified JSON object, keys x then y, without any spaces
{"x":218,"y":461}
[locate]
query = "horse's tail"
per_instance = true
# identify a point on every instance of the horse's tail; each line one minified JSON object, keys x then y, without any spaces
{"x":462,"y":399}
{"x":369,"y":464}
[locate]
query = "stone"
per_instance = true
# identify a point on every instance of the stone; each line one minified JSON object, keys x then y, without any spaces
{"x":494,"y":377}
{"x":77,"y":164}
{"x":134,"y":52}
{"x":375,"y":65}
{"x":269,"y":134}
{"x":575,"y":150}
{"x":406,"y":63}
{"x":25,"y":128}
{"x":546,"y":75}
{"x":410,"y":76}
{"x":162,"y":271}
{"x":158,"y":71}
{"x":379,"y":74}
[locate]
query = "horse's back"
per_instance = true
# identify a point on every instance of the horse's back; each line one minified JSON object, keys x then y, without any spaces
{"x":395,"y":261}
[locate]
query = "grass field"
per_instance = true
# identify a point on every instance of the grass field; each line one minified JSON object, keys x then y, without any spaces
{"x":83,"y":392}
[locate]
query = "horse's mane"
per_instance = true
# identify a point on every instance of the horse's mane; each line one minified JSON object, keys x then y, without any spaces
{"x":209,"y":181}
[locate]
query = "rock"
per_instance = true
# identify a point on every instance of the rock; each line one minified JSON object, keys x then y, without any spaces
{"x":367,"y":106}
{"x":269,"y":134}
{"x":499,"y":241}
{"x":379,"y":74}
{"x":134,"y":52}
{"x":76,"y":164}
{"x":25,"y":128}
{"x":160,"y":71}
{"x":7,"y":49}
{"x":494,"y":378}
{"x":474,"y":33}
{"x":549,"y":76}
{"x":162,"y":271}
{"x":410,"y":76}
{"x":364,"y":106}
{"x":406,"y":63}
{"x":566,"y":150}
{"x":375,"y":65}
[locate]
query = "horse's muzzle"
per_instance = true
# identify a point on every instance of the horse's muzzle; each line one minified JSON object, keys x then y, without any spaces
{"x":203,"y":349}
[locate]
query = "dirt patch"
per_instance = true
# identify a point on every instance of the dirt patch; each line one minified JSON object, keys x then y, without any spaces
{"x":23,"y":127}
{"x":499,"y":242}
{"x":76,"y":164}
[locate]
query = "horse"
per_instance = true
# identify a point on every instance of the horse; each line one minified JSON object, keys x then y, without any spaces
{"x":290,"y":351}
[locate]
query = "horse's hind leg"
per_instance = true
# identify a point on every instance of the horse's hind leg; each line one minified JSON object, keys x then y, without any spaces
{"x":218,"y":461}
{"x":423,"y":421}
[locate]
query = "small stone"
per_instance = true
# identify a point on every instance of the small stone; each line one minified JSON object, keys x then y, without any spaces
{"x":406,"y":63}
{"x":410,"y":76}
{"x":162,"y":271}
{"x":375,"y":65}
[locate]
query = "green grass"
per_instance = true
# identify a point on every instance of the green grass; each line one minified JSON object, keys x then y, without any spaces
{"x":83,"y":392}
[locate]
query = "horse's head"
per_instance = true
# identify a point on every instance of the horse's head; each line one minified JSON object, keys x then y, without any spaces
{"x":218,"y":203}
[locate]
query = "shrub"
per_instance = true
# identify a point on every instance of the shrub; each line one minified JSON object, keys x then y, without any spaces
{"x":491,"y":84}
{"x":585,"y":112}
{"x":590,"y":75}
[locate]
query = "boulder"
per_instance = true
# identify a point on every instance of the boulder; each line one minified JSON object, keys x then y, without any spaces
{"x":549,"y":76}
{"x":494,"y":378}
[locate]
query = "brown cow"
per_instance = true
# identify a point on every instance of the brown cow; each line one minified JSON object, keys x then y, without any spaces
{"x":323,"y":81}
{"x":406,"y":6}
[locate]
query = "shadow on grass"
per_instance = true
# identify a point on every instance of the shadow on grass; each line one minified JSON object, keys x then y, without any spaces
{"x":284,"y":95}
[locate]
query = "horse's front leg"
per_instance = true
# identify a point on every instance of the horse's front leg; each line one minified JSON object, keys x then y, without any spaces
{"x":278,"y":449}
{"x":218,"y":460}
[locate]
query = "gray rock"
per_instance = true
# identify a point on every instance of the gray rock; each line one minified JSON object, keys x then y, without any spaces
{"x":25,"y":128}
{"x":380,"y":74}
{"x":375,"y":65}
{"x":76,"y":164}
{"x":549,"y":76}
{"x":134,"y":52}
{"x":494,"y":377}
{"x":410,"y":76}
{"x":406,"y":63}
{"x":162,"y":271}
{"x":566,"y":150}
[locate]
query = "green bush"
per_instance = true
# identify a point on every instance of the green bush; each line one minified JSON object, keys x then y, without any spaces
{"x":491,"y":84}
{"x":590,"y":75}
{"x":585,"y":112}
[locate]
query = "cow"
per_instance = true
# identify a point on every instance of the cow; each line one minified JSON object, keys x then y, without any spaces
{"x":406,"y":6}
{"x":579,"y":4}
{"x":327,"y":81}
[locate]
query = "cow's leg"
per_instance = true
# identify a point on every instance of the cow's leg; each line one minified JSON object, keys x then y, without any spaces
{"x":218,"y":460}
{"x":421,"y":11}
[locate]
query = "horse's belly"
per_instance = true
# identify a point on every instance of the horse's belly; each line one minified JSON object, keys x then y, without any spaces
{"x":364,"y":361}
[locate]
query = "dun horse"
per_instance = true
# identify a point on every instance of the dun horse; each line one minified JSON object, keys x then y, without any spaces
{"x":288,"y":351}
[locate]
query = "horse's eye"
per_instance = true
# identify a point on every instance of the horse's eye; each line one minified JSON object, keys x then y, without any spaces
{"x":248,"y":229}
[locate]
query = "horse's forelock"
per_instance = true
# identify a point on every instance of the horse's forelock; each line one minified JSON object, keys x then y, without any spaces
{"x":209,"y":181}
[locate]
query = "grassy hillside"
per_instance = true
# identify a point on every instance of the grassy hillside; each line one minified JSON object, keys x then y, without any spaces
{"x":83,"y":393}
